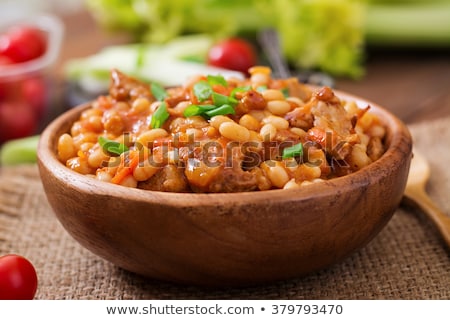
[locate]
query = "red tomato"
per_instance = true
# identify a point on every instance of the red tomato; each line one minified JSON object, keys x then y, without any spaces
{"x":23,"y":43}
{"x":4,"y":60}
{"x":16,"y":121}
{"x":234,"y":54}
{"x":34,"y":93}
{"x":10,"y":90}
{"x":3,"y":91}
{"x":18,"y":278}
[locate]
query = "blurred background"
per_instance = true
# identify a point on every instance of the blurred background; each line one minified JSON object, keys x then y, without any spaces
{"x":393,"y":52}
{"x":14,"y":8}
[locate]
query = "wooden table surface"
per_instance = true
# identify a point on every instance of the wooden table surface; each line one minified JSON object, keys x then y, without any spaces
{"x":413,"y":84}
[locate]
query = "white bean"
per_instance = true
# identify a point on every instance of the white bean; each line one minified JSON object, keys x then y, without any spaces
{"x":234,"y":131}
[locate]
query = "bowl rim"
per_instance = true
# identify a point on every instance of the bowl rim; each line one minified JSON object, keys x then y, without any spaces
{"x":400,"y":142}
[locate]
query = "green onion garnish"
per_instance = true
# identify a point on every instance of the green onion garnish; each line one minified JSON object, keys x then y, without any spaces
{"x":239,"y":89}
{"x":285,"y":92}
{"x":158,"y":91}
{"x":222,"y":104}
{"x":220,"y":99}
{"x":222,"y":110}
{"x":196,"y":110}
{"x":111,"y":146}
{"x":160,"y":116}
{"x":202,"y":90}
{"x":212,"y":80}
{"x":294,"y":151}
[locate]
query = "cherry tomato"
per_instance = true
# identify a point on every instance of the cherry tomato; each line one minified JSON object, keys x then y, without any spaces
{"x":4,"y":60}
{"x":17,"y":120}
{"x":18,"y":278}
{"x":35,"y":94}
{"x":4,"y":92}
{"x":234,"y":54}
{"x":10,"y":90}
{"x":23,"y":43}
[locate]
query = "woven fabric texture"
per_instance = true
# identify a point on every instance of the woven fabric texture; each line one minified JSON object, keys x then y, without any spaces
{"x":407,"y":260}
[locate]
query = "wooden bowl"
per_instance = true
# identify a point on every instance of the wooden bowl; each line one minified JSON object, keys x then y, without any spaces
{"x":227,"y":239}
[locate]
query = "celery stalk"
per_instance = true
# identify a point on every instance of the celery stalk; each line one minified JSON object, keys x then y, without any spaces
{"x":416,"y":23}
{"x":19,"y":151}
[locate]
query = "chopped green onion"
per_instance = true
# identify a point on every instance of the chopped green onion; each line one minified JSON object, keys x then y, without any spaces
{"x":202,"y":90}
{"x":111,"y":146}
{"x":219,"y":79}
{"x":285,"y":92}
{"x":294,"y":151}
{"x":220,"y":99}
{"x":160,"y":116}
{"x":196,"y":110}
{"x":158,"y":92}
{"x":222,"y":110}
{"x":239,"y":89}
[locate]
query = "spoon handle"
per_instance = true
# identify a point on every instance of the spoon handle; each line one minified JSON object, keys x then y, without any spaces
{"x":270,"y":44}
{"x":439,"y":218}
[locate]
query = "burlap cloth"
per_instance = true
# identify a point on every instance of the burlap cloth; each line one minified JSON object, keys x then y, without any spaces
{"x":407,"y":260}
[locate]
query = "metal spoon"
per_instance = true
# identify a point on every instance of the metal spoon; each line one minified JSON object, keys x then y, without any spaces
{"x":419,"y":174}
{"x":270,"y":44}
